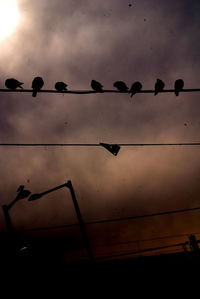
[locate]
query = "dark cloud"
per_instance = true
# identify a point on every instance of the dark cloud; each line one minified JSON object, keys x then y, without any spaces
{"x":75,"y":42}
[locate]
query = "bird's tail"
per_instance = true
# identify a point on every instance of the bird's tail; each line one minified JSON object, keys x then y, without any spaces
{"x":34,"y":93}
{"x":176,"y":93}
{"x":155,"y":93}
{"x":132,"y":93}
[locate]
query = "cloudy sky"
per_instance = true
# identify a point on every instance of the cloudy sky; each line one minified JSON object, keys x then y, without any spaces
{"x":75,"y":42}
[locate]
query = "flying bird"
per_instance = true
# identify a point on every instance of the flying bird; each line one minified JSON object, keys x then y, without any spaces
{"x":159,"y":86}
{"x":121,"y":86}
{"x":13,"y":83}
{"x":37,"y":84}
{"x":136,"y":87}
{"x":178,"y":86}
{"x":96,"y":86}
{"x":61,"y":86}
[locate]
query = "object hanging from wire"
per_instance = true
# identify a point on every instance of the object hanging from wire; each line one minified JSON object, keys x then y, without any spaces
{"x":112,"y":148}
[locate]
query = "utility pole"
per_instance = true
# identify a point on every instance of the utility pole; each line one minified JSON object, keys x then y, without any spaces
{"x":7,"y":218}
{"x":193,"y":242}
{"x":13,"y":240}
{"x":81,"y":223}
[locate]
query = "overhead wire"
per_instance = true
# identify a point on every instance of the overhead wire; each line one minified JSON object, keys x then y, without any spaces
{"x":119,"y":219}
{"x":138,"y":251}
{"x":93,"y":91}
{"x":97,"y":144}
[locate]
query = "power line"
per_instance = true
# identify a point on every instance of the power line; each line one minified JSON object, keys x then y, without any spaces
{"x":144,"y":216}
{"x":138,"y":251}
{"x":97,"y":144}
{"x":92,"y":91}
{"x":113,"y":219}
{"x":143,"y":250}
{"x":155,"y":239}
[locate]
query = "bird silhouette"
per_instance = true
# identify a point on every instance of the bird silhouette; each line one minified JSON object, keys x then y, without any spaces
{"x":178,"y":86}
{"x":96,"y":86}
{"x":61,"y":86}
{"x":22,"y":193}
{"x":159,"y":86}
{"x":121,"y":86}
{"x":13,"y":83}
{"x":37,"y":84}
{"x":136,"y":87}
{"x":20,"y":188}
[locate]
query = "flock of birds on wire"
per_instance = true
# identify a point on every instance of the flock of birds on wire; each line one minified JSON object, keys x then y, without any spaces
{"x":121,"y":86}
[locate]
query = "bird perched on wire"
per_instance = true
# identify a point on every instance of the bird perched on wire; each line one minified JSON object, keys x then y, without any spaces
{"x":178,"y":86}
{"x":121,"y":86}
{"x":136,"y":87}
{"x":37,"y":84}
{"x":13,"y":84}
{"x":22,"y":193}
{"x":159,"y":86}
{"x":20,"y":188}
{"x":61,"y":86}
{"x":97,"y":86}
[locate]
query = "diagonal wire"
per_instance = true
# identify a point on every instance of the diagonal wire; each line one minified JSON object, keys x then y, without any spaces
{"x":137,"y":251}
{"x":115,"y":219}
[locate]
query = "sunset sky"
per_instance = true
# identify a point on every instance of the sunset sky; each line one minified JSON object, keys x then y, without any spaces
{"x":76,"y":41}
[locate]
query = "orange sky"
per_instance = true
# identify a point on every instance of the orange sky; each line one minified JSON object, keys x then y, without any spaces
{"x":75,"y":43}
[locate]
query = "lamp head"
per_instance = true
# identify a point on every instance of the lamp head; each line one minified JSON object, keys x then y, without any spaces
{"x":69,"y":184}
{"x":22,"y":193}
{"x":34,"y":197}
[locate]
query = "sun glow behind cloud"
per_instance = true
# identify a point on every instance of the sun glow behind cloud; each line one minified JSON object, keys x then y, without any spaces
{"x":9,"y":17}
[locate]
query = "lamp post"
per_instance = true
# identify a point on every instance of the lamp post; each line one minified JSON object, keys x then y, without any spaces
{"x":12,"y":240}
{"x":78,"y":214}
{"x":21,"y":195}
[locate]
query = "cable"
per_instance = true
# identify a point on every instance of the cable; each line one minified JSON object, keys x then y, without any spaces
{"x":155,"y":239}
{"x":138,"y":251}
{"x":114,"y":219}
{"x":92,"y":91}
{"x":97,"y":144}
{"x":142,"y":251}
{"x":143,"y":216}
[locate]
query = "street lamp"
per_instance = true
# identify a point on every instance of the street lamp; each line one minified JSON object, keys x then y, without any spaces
{"x":12,"y":240}
{"x":78,"y":213}
{"x":21,"y":195}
